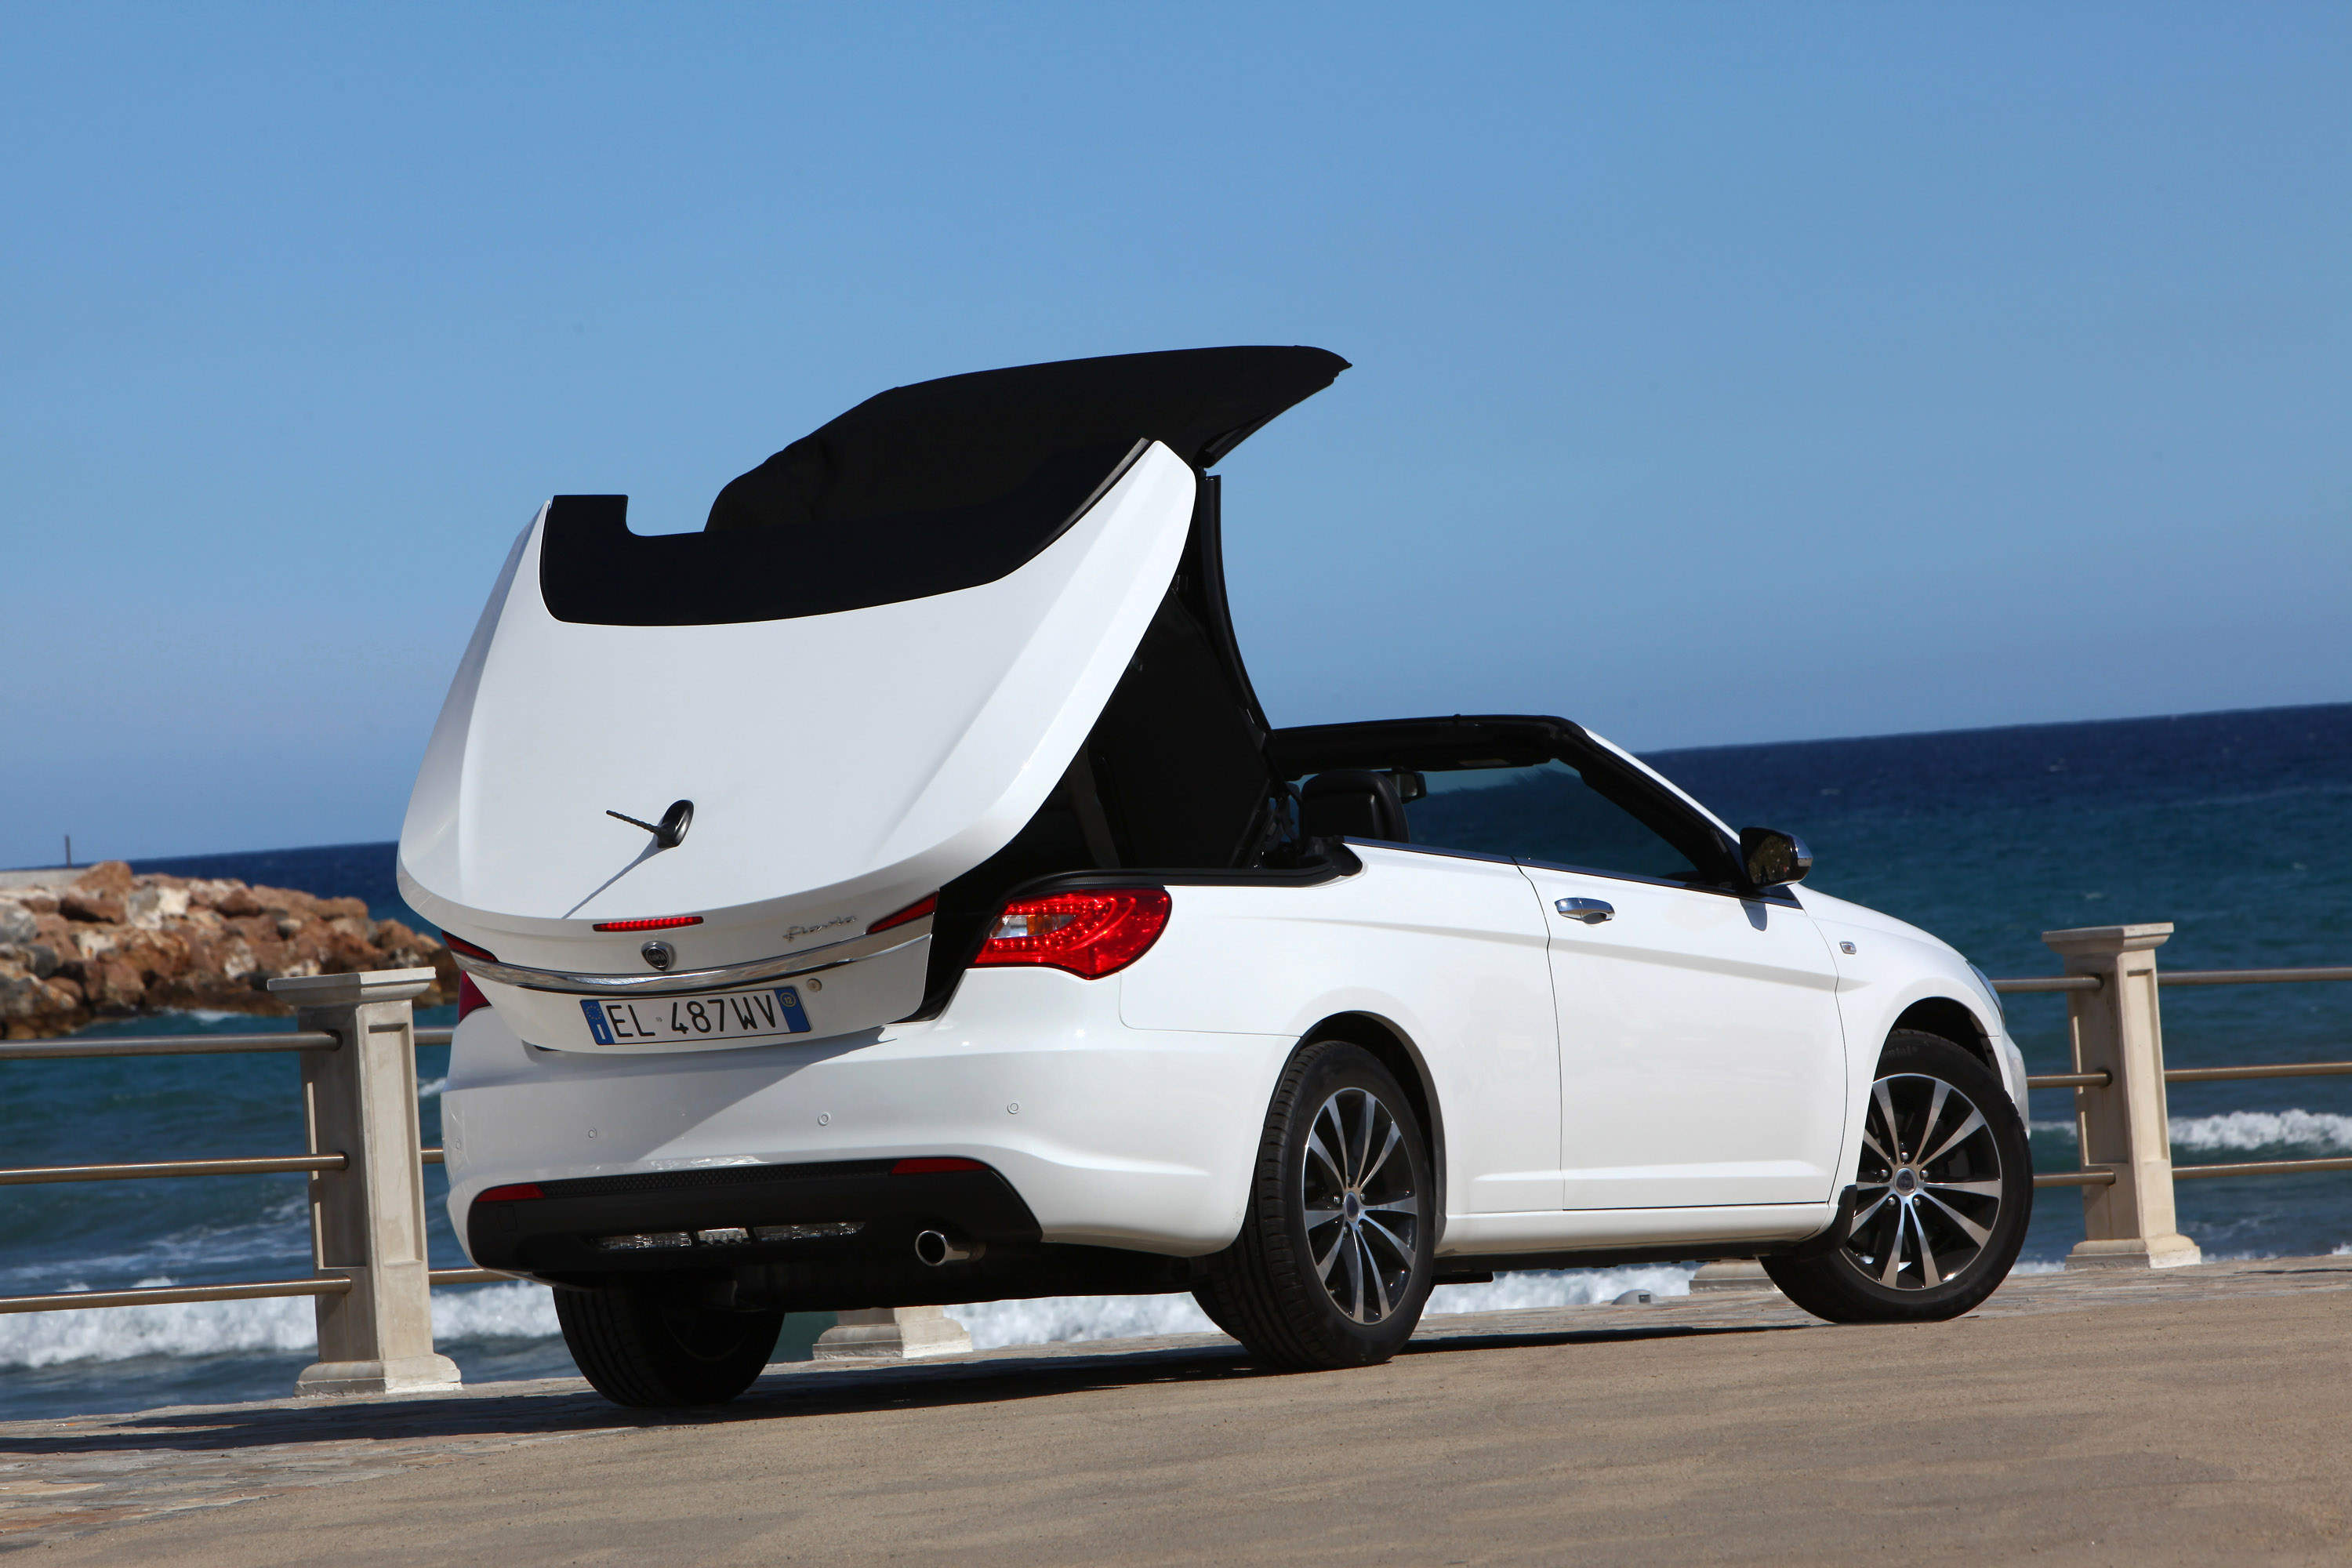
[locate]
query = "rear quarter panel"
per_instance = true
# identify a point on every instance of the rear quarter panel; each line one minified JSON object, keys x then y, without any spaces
{"x":1448,"y":952}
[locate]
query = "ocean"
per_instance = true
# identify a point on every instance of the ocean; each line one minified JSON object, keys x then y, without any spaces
{"x":2233,"y":825}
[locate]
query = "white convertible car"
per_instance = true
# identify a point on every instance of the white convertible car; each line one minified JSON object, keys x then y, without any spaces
{"x":894,"y":894}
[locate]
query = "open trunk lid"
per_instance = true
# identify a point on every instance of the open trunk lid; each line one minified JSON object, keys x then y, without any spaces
{"x":866,"y":674}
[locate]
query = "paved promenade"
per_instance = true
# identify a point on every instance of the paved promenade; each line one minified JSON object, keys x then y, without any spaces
{"x":2193,"y":1415}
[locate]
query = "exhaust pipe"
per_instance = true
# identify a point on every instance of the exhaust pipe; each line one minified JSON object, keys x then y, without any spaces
{"x":936,"y":1246}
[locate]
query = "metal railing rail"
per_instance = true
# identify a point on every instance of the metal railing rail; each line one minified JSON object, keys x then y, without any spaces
{"x":356,"y":1036}
{"x":2123,"y":1027}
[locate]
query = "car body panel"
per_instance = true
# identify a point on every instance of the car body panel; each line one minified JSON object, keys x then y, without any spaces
{"x":1702,"y":1058}
{"x":1446,"y":950}
{"x":875,"y":772}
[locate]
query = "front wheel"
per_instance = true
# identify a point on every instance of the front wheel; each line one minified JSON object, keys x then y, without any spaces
{"x":1337,"y":1250}
{"x":651,"y":1347}
{"x":1944,"y":1189}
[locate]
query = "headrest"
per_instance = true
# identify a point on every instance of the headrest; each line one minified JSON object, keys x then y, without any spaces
{"x":1352,"y":803}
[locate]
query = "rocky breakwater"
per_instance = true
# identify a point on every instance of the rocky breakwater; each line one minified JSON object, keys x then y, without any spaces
{"x":107,"y":944}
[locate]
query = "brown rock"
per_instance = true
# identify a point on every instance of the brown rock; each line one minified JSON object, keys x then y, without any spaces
{"x":108,"y":876}
{"x":235,"y":899}
{"x":337,"y":908}
{"x":79,"y":904}
{"x":114,"y":985}
{"x":286,"y":900}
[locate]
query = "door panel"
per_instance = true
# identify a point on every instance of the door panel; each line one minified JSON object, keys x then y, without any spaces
{"x":1702,"y":1061}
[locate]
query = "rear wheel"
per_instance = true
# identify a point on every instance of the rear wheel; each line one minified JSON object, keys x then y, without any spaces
{"x":1945,"y":1186}
{"x":646,"y":1346}
{"x":1334,"y":1260}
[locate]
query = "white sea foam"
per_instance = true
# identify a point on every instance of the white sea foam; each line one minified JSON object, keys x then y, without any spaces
{"x":1057,"y":1320}
{"x":1064,"y":1319}
{"x":280,"y":1325}
{"x":2240,"y":1129}
{"x":1565,"y":1288}
{"x":430,"y":1086}
{"x":2246,"y":1129}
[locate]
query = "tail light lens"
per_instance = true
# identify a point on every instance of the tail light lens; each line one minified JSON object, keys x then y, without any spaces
{"x":469,"y":997}
{"x":1092,"y":934}
{"x":457,"y":943}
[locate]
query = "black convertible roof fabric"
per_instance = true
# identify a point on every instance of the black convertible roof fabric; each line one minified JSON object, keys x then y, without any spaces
{"x":964,"y":440}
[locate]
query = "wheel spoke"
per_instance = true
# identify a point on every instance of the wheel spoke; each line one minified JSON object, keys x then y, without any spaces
{"x":1318,"y":1218}
{"x":1935,"y":1114}
{"x":1353,"y":1246}
{"x":1976,"y":1120}
{"x":1395,"y":1137}
{"x":1884,"y":1198}
{"x":1380,"y":1276}
{"x":1929,"y":1274}
{"x":1975,"y":1232}
{"x":1974,"y":1189}
{"x":1403,"y":1248}
{"x":1359,"y":1153}
{"x":1894,"y":1252}
{"x":1408,"y":1204}
{"x":1878,"y":1092}
{"x":1315,"y":1147}
{"x":1323,"y":1264}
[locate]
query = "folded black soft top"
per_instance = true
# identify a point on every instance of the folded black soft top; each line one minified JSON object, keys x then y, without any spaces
{"x":965,"y":440}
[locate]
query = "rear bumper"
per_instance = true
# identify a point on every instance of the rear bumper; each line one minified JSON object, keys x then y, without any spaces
{"x":573,"y":1230}
{"x":1094,"y":1134}
{"x":566,"y":1238}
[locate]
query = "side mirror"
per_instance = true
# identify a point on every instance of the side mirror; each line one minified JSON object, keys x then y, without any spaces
{"x":1773,"y":858}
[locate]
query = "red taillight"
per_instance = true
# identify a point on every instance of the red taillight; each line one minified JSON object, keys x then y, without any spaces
{"x":511,"y":1194}
{"x":913,"y":911}
{"x":1091,"y":933}
{"x":469,"y":997}
{"x":457,"y":943}
{"x":663,"y":922}
{"x":930,"y":1166}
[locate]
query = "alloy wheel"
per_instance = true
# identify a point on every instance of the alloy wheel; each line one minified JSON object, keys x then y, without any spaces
{"x":1363,"y":1213}
{"x":1929,"y":1184}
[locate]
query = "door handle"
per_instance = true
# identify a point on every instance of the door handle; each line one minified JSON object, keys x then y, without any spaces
{"x":1592,"y":911}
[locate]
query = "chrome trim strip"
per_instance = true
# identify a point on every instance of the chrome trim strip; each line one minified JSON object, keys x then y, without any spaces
{"x":832,"y":956}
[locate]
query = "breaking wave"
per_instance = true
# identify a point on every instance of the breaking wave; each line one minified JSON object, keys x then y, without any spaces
{"x":2249,"y":1130}
{"x":1070,"y":1319}
{"x":280,"y":1325}
{"x":2237,"y":1131}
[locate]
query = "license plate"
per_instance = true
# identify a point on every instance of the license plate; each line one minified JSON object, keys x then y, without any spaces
{"x":683,"y":1020}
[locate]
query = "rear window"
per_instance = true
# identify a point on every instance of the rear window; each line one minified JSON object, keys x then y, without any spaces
{"x":593,"y":569}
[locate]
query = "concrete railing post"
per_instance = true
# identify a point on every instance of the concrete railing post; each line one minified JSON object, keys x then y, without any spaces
{"x":367,"y":1221}
{"x":2123,"y":1127}
{"x":892,"y":1333}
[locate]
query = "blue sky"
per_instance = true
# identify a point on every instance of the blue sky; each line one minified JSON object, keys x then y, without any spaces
{"x":1723,"y":372}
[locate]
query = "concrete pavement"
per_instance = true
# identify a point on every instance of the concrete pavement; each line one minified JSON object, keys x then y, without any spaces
{"x":2191,"y":1415}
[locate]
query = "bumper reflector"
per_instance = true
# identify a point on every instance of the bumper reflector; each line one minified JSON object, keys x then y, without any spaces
{"x":929,"y":1167}
{"x":811,"y":1232}
{"x":513,"y":1193}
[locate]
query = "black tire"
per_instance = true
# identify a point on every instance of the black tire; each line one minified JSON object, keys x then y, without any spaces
{"x":1940,"y":1212}
{"x":641,"y":1344}
{"x":1364,"y":1213}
